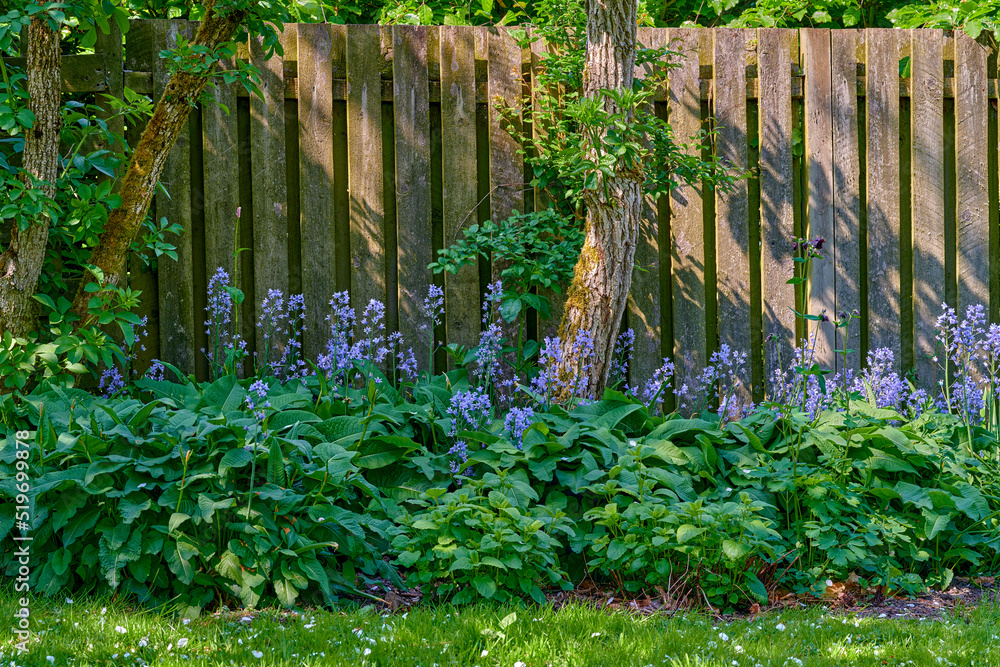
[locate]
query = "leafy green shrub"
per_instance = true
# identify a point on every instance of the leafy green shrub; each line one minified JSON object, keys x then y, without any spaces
{"x":488,"y":539}
{"x":155,"y":498}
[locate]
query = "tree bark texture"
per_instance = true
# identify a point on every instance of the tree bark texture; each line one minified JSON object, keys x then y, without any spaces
{"x":598,"y":294}
{"x":138,"y":186}
{"x":21,"y":264}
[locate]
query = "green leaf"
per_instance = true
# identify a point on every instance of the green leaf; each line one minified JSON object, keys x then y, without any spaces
{"x":234,"y":458}
{"x":756,"y":588}
{"x":276,"y":464}
{"x":510,"y":309}
{"x":222,"y":396}
{"x":485,"y":586}
{"x":687,"y":532}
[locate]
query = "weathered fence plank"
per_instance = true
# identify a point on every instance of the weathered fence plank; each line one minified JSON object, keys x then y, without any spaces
{"x":138,"y":53}
{"x":687,"y":225}
{"x":270,"y":206}
{"x":776,"y":195}
{"x":364,"y":148}
{"x":971,"y":180}
{"x":882,"y":186}
{"x":644,"y":313}
{"x":411,"y":113}
{"x":319,"y":45}
{"x":732,"y":213}
{"x":458,"y":173}
{"x":222,"y":176}
{"x":539,"y":131}
{"x":506,"y":165}
{"x":927,"y":192}
{"x":175,"y":279}
{"x":818,"y":98}
{"x":846,"y":191}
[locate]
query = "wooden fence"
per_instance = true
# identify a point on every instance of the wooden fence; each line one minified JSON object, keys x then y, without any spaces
{"x":373,"y":146}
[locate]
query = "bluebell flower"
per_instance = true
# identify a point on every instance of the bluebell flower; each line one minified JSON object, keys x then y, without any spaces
{"x":517,"y":421}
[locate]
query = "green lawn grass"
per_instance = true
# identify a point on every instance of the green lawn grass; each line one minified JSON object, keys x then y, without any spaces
{"x":87,"y":632}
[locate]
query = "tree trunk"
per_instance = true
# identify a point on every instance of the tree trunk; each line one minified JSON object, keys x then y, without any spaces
{"x":150,"y":156}
{"x":21,"y":264}
{"x":601,"y":279}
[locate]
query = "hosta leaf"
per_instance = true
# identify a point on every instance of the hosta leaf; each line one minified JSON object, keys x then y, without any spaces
{"x":234,"y":458}
{"x":756,"y":588}
{"x":286,"y":592}
{"x":222,"y":396}
{"x":131,"y":509}
{"x":913,"y":494}
{"x":275,"y":464}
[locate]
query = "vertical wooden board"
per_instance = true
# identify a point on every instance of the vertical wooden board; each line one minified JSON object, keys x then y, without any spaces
{"x":687,"y":229}
{"x":971,"y":179}
{"x":316,"y":175}
{"x":111,"y":47}
{"x":175,"y":279}
{"x":644,"y":297}
{"x":540,"y":123}
{"x":776,"y":195}
{"x":411,"y":113}
{"x":882,"y":179}
{"x":267,"y":164}
{"x":458,"y":172}
{"x":846,"y":190}
{"x":732,"y":213}
{"x":364,"y":149}
{"x":222,"y":177}
{"x":818,"y":94}
{"x":927,"y":193}
{"x":506,"y":164}
{"x":141,"y":276}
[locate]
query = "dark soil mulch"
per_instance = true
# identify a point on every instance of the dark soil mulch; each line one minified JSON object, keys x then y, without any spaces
{"x":963,"y":594}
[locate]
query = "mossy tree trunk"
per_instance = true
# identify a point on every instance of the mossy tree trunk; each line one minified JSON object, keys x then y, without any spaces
{"x":21,"y":264}
{"x":598,"y":294}
{"x":169,"y":119}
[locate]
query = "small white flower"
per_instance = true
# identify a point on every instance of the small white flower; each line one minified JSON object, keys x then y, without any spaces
{"x":484,"y":653}
{"x":631,"y":443}
{"x":723,"y":636}
{"x":519,"y":664}
{"x":257,"y":654}
{"x":246,"y":619}
{"x":829,"y":582}
{"x":780,"y":626}
{"x":729,"y":489}
{"x":368,"y":651}
{"x":186,"y":621}
{"x":69,"y":601}
{"x":120,"y":629}
{"x":182,"y":642}
{"x":104,"y":611}
{"x":143,"y":642}
{"x":596,"y":634}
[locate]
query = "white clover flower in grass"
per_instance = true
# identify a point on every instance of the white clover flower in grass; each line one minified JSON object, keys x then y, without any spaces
{"x":780,"y":626}
{"x":119,"y":629}
{"x":182,"y":642}
{"x":723,"y":636}
{"x":257,"y":654}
